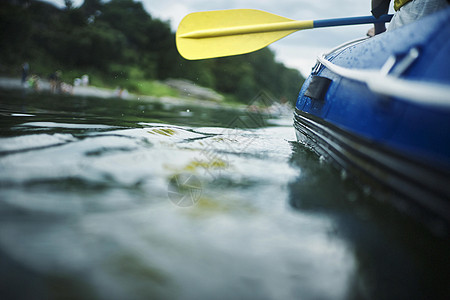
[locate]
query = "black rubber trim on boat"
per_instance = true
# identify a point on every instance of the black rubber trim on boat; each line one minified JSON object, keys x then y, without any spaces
{"x":409,"y":180}
{"x":318,"y":88}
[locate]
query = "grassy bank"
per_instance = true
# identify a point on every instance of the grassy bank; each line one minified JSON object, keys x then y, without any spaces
{"x":132,"y":80}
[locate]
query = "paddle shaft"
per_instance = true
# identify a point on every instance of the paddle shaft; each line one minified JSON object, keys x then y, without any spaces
{"x":351,"y":21}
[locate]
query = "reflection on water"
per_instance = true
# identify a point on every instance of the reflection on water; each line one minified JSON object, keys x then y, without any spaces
{"x":85,"y":210}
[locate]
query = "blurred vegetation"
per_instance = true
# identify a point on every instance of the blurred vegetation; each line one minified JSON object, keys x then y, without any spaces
{"x":119,"y":44}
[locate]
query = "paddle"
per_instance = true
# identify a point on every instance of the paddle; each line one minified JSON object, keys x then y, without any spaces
{"x":236,"y":31}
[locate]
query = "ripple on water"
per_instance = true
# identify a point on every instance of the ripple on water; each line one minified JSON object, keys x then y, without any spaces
{"x":88,"y":204}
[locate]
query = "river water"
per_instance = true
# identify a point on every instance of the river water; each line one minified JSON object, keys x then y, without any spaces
{"x":114,"y":199}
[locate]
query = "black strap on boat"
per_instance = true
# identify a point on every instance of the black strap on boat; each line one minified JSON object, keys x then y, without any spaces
{"x":318,"y":88}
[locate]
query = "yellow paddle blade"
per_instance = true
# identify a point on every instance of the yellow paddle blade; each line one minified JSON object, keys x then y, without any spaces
{"x":230,"y":32}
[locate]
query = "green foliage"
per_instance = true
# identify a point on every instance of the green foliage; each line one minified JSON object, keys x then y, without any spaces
{"x":15,"y":27}
{"x":154,"y":88}
{"x":122,"y":44}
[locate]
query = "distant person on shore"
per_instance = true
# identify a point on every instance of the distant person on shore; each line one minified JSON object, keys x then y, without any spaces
{"x":55,"y":82}
{"x":406,"y":11}
{"x":76,"y":82}
{"x":85,"y":80}
{"x":33,"y":82}
{"x":66,"y":88}
{"x":118,"y":92}
{"x":121,"y":93}
{"x":52,"y":80}
{"x":25,"y":71}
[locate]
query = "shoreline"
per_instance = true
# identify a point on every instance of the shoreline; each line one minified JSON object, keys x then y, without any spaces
{"x":11,"y":83}
{"x":261,"y":103}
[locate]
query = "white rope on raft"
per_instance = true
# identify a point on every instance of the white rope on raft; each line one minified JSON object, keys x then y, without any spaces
{"x":384,"y":83}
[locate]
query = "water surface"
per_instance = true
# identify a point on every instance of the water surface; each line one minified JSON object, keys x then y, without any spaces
{"x":114,"y":199}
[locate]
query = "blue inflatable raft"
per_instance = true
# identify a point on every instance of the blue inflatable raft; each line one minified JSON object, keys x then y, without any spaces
{"x":379,"y":108}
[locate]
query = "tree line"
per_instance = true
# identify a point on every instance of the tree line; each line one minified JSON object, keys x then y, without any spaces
{"x":119,"y":41}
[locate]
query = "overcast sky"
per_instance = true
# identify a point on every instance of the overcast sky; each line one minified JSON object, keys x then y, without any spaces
{"x":297,"y":50}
